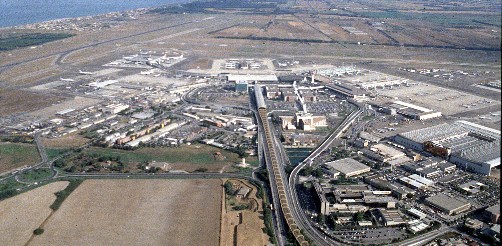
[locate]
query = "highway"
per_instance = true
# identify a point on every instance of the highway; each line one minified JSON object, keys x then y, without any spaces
{"x":314,"y":234}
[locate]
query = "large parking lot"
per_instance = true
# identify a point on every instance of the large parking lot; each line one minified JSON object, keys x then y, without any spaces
{"x":447,"y":101}
{"x":372,"y":235}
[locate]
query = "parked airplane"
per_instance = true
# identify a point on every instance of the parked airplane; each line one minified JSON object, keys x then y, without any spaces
{"x":85,"y":73}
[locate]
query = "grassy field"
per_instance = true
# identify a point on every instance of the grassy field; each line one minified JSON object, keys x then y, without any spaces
{"x":447,"y":19}
{"x":36,"y":175}
{"x":14,"y":155}
{"x":193,"y":154}
{"x":189,"y":158}
{"x":19,"y":40}
{"x":25,"y":212}
{"x":55,"y":152}
{"x":137,"y":212}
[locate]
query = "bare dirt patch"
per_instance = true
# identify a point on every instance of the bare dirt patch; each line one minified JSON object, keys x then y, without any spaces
{"x":25,"y":212}
{"x":243,"y":227}
{"x":67,"y":141}
{"x":137,"y":212}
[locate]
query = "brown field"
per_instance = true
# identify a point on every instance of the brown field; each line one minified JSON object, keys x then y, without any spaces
{"x":67,"y":141}
{"x":25,"y":212}
{"x":30,"y":72}
{"x":16,"y":101}
{"x":243,"y":227}
{"x":137,"y":212}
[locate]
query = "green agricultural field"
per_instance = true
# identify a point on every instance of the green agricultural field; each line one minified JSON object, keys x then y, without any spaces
{"x":19,"y":40}
{"x":14,"y":155}
{"x":445,"y":19}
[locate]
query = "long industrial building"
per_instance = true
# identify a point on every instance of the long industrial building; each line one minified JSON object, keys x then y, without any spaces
{"x":470,"y":146}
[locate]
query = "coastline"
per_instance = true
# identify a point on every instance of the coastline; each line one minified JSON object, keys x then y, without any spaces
{"x":132,"y":14}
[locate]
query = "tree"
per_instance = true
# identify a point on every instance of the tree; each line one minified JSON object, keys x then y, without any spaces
{"x":60,"y":163}
{"x":307,"y":171}
{"x":318,"y":173}
{"x":409,"y":195}
{"x":321,"y":219}
{"x":358,"y":216}
{"x":229,"y":188}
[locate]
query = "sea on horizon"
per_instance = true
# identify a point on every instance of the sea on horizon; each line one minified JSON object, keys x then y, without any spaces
{"x":22,"y":12}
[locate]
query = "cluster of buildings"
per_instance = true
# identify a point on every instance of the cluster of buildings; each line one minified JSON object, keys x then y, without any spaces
{"x":351,"y":198}
{"x":470,"y":146}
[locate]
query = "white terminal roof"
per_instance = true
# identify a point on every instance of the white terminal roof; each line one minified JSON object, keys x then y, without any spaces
{"x":413,"y":106}
{"x":254,"y":77}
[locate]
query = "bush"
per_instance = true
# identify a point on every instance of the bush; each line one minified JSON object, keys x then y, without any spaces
{"x":200,"y":170}
{"x":241,"y":207}
{"x":38,"y":231}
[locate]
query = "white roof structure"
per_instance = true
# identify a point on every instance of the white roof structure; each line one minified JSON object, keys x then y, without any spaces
{"x":348,"y":166}
{"x":422,"y":180}
{"x":254,"y":77}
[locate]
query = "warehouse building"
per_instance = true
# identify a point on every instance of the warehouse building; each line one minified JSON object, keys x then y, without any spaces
{"x":391,"y":217}
{"x":448,"y":205}
{"x":470,"y":146}
{"x":480,"y":159}
{"x":415,"y":112}
{"x":348,"y":167}
{"x":494,"y":213}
